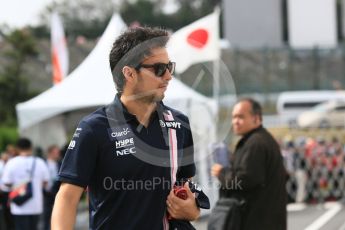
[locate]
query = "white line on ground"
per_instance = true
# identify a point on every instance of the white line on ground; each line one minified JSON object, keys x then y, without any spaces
{"x":334,"y":208}
{"x":296,"y":207}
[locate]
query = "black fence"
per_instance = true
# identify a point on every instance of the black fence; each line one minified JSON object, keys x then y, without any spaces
{"x":316,"y":169}
{"x":273,"y":70}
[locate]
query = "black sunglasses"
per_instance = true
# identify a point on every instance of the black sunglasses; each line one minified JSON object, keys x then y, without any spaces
{"x":159,"y":68}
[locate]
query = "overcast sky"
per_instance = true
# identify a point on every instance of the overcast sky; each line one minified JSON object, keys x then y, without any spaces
{"x":18,"y":13}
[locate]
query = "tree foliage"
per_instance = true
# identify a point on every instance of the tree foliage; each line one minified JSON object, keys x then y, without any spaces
{"x":80,"y":17}
{"x":89,"y":17}
{"x":148,"y":12}
{"x":13,"y":82}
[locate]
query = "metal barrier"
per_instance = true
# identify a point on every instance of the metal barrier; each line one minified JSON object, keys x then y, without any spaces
{"x":316,"y":170}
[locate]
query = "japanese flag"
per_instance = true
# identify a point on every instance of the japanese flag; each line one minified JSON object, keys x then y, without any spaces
{"x":59,"y":50}
{"x":197,"y":42}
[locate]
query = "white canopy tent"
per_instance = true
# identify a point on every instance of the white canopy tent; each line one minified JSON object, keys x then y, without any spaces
{"x":47,"y":118}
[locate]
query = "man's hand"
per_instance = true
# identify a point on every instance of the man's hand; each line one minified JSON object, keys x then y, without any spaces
{"x":183,"y":209}
{"x":215,"y":170}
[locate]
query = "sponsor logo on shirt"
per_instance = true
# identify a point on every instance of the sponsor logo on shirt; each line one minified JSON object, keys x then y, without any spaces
{"x":77,"y":132}
{"x":122,"y":133}
{"x":170,"y":124}
{"x":71,"y":144}
{"x":119,"y":133}
{"x":124,"y":143}
{"x":126,"y":151}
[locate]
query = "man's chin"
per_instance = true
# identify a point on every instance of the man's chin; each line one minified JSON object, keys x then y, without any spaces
{"x":158,"y":98}
{"x":237,"y":132}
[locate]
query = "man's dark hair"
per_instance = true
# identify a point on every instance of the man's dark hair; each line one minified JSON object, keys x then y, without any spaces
{"x":131,"y":47}
{"x":256,"y":107}
{"x":24,"y":144}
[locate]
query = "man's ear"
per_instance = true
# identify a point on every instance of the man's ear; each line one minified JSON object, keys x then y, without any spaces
{"x":129,"y":73}
{"x":257,"y":119}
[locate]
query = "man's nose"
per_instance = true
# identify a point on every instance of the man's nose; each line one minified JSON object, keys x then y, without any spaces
{"x":167,"y":75}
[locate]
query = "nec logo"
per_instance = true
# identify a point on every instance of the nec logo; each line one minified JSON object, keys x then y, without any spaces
{"x":170,"y":124}
{"x":125,"y":151}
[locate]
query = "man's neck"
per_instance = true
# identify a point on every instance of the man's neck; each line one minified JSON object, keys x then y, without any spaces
{"x":51,"y":159}
{"x":141,"y":109}
{"x":252,"y":130}
{"x":25,"y":153}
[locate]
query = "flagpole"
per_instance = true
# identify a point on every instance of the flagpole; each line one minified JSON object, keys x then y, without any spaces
{"x":216,"y":77}
{"x":216,"y":89}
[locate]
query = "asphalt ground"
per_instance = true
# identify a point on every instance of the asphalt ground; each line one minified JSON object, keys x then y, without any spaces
{"x":328,"y":216}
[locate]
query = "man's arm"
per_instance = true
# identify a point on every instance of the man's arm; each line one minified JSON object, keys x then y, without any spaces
{"x":65,"y":207}
{"x":246,"y":175}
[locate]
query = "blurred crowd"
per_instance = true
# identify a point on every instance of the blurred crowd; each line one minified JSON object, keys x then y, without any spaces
{"x":316,"y":168}
{"x":52,"y":159}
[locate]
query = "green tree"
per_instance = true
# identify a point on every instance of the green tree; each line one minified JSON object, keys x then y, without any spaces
{"x":89,"y":18}
{"x":13,"y":85}
{"x":80,"y":17}
{"x":142,"y":11}
{"x":148,"y":12}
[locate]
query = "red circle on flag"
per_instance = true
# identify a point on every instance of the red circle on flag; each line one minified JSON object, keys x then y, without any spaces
{"x":198,"y":38}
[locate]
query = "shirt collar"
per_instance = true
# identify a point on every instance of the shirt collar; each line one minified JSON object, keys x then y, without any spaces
{"x":118,"y":108}
{"x":247,"y":135}
{"x":121,"y":109}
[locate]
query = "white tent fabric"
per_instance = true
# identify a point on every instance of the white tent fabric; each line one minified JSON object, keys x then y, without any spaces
{"x":46,"y":118}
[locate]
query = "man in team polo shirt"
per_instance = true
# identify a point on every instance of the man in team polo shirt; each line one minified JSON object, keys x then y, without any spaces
{"x":122,"y":151}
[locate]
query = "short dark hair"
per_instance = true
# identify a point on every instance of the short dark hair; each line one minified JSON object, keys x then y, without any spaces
{"x":131,"y":47}
{"x":255,"y":106}
{"x":24,"y":144}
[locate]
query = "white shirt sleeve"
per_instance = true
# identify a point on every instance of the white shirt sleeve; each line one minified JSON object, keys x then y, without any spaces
{"x":7,"y":174}
{"x":45,"y":175}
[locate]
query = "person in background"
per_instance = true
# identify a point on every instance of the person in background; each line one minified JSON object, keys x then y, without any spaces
{"x":220,"y":153}
{"x":16,"y":172}
{"x":3,"y":159}
{"x":2,"y":221}
{"x":257,"y":171}
{"x":52,"y":160}
{"x":4,"y":191}
{"x":11,"y":150}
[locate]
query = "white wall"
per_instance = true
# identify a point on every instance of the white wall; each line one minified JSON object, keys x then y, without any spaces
{"x":251,"y":24}
{"x":312,"y":23}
